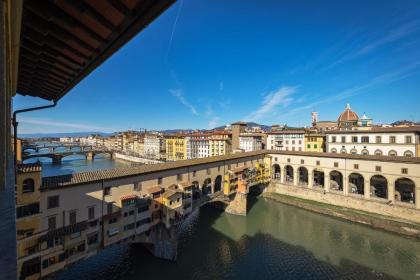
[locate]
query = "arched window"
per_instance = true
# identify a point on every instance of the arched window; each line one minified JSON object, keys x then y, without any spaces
{"x":392,"y":153}
{"x":365,"y":152}
{"x":353,"y":151}
{"x":343,"y":151}
{"x":334,"y":150}
{"x":408,"y":154}
{"x":378,"y":153}
{"x":28,"y":185}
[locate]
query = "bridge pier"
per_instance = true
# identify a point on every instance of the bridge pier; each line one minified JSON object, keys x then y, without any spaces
{"x":56,"y":159}
{"x":238,"y":206}
{"x":163,"y":242}
{"x":90,"y":156}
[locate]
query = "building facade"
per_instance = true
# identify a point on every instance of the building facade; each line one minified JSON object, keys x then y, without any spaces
{"x":387,"y":141}
{"x":286,"y":140}
{"x":251,"y":141}
{"x":315,"y":143}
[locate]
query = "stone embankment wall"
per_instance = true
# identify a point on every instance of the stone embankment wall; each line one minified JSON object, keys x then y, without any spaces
{"x":394,"y":211}
{"x":238,"y":205}
{"x":136,"y":159}
{"x":392,"y":218}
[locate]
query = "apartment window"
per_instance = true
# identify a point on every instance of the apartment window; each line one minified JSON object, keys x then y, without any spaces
{"x":392,"y":139}
{"x":160,"y":180}
{"x":275,"y":159}
{"x":302,"y":161}
{"x":300,"y":142}
{"x":208,"y":170}
{"x":354,"y":139}
{"x":333,"y":139}
{"x":218,"y":168}
{"x":378,"y":168}
{"x":52,"y":223}
{"x":194,"y":172}
{"x":293,"y":142}
{"x":107,"y":190}
{"x":28,"y":185}
{"x":92,"y":238}
{"x":335,"y":164}
{"x":27,"y":210}
{"x":308,"y":146}
{"x":318,"y":162}
{"x":91,"y":213}
{"x":179,"y":177}
{"x":109,"y":208}
{"x":378,"y":139}
{"x":72,"y":217}
{"x":293,"y":148}
{"x":356,"y":166}
{"x":287,"y":142}
{"x":53,"y":201}
{"x":408,"y":139}
{"x":315,"y":146}
{"x":288,"y":160}
{"x":343,"y":139}
{"x":365,"y":139}
{"x":404,"y":170}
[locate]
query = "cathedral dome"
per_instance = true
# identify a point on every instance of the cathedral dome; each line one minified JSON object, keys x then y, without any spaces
{"x":348,"y":115}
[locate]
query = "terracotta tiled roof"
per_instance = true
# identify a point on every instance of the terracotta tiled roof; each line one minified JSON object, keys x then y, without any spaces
{"x":399,"y":159}
{"x":31,"y":167}
{"x":170,"y":193}
{"x":99,"y":175}
{"x":154,"y":189}
{"x":348,"y":115}
{"x":128,"y":197}
{"x":287,"y":131}
{"x":396,"y":129}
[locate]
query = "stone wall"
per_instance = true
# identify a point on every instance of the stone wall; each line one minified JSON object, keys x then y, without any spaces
{"x":395,"y":211}
{"x":136,"y":159}
{"x":238,"y":205}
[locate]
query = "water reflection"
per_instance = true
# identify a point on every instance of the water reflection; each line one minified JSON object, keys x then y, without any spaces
{"x":275,"y":241}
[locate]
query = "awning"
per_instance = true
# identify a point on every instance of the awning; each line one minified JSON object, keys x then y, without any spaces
{"x":63,"y":41}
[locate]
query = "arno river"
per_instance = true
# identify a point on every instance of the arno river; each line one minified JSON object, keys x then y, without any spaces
{"x":274,"y":241}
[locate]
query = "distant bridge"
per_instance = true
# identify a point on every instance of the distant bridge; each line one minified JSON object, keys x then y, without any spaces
{"x":52,"y":148}
{"x":58,"y":156}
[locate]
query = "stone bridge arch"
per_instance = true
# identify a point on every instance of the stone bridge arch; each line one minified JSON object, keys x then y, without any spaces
{"x":379,"y":186}
{"x":405,"y":190}
{"x":276,"y":171}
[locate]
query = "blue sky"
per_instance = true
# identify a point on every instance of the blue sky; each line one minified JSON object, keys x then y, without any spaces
{"x":206,"y":63}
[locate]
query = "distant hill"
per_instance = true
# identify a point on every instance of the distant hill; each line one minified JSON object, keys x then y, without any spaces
{"x":249,"y":125}
{"x":58,"y":135}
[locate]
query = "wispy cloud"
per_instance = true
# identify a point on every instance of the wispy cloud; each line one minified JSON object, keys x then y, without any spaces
{"x":384,"y":79}
{"x":174,"y":28}
{"x":221,"y":86}
{"x":273,"y":100}
{"x":213,"y":122}
{"x":209,"y":110}
{"x":178,"y":93}
{"x":392,"y":36}
{"x":74,"y":126}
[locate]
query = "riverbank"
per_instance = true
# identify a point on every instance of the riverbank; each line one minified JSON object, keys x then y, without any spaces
{"x":136,"y":159}
{"x":377,"y":221}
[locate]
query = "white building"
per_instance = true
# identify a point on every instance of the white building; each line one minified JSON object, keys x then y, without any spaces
{"x":152,"y":144}
{"x":250,"y":142}
{"x":387,"y":141}
{"x":286,"y":140}
{"x":199,"y":147}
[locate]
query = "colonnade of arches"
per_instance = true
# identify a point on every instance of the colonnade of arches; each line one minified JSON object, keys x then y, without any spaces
{"x":207,"y":187}
{"x":404,"y":188}
{"x":378,"y":152}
